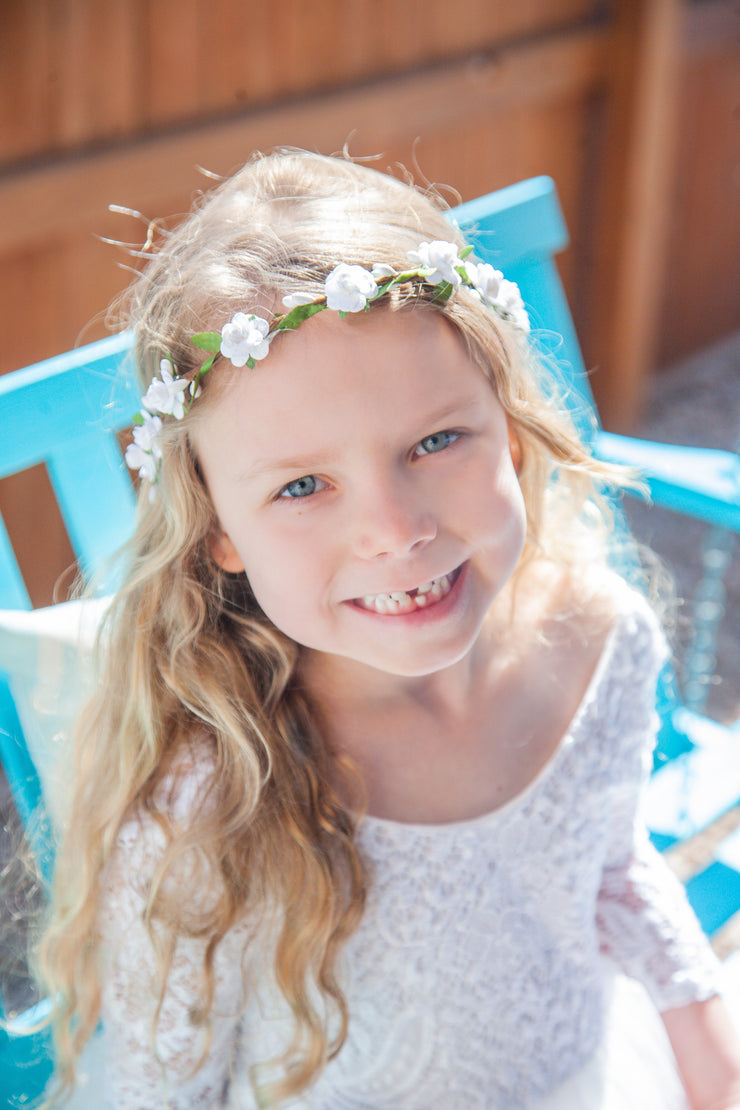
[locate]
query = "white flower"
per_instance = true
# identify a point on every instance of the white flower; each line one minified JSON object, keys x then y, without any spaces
{"x":146,"y":450}
{"x":382,"y":271}
{"x":295,"y":300}
{"x":143,"y":461}
{"x":147,"y":435}
{"x":441,"y":258}
{"x":498,"y":293}
{"x":486,"y":281}
{"x":509,"y":303}
{"x":348,"y":288}
{"x":245,"y":337}
{"x":166,"y":395}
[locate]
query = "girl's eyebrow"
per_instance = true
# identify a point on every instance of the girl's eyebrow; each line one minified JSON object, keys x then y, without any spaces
{"x":308,"y":461}
{"x":303,"y":463}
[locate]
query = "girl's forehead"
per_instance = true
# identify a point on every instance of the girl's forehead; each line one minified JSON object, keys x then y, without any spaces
{"x":331,"y":358}
{"x":336,"y":383}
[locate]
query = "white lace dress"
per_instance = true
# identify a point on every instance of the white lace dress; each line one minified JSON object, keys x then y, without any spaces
{"x":487,"y":971}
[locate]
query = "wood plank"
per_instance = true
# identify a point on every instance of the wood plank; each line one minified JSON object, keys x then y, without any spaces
{"x":553,"y":139}
{"x":271,"y":51}
{"x":82,"y":274}
{"x":637,"y":175}
{"x":173,"y":68}
{"x":75,"y":53}
{"x":97,"y":48}
{"x":701,"y":301}
{"x":56,"y":297}
{"x":78,"y":72}
{"x":33,"y":303}
{"x":27,"y":79}
{"x":30,"y":512}
{"x":73,"y":196}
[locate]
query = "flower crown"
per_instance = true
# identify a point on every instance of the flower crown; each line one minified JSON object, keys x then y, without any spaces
{"x":246,"y":339}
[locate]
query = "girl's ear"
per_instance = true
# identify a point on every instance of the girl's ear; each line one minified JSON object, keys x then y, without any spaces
{"x":515,"y":446}
{"x":223,"y":552}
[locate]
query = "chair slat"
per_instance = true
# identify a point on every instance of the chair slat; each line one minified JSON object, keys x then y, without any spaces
{"x":13,"y":592}
{"x":555,"y":337}
{"x":697,"y":481}
{"x":95,"y":496}
{"x":26,"y":1062}
{"x":17,"y":764}
{"x":518,"y":230}
{"x":715,"y":895}
{"x":41,"y":404}
{"x":514,"y":223}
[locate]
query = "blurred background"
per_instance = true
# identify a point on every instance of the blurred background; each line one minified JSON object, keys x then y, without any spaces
{"x":631,"y":105}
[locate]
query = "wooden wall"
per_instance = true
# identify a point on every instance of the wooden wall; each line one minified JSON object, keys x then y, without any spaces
{"x":92,"y":70}
{"x":121,"y":101}
{"x":701,"y":298}
{"x":107,"y":104}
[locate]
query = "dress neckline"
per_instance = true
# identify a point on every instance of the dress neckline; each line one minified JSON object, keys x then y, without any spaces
{"x":370,"y":821}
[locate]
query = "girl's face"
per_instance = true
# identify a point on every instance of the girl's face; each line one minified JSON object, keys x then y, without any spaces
{"x":362,"y":478}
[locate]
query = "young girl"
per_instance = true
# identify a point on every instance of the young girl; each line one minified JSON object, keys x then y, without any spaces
{"x":356,"y":816}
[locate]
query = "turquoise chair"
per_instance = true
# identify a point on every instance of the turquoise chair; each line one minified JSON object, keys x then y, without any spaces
{"x":65,"y":413}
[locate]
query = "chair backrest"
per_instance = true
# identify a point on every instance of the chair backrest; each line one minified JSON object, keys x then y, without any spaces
{"x":519,"y":230}
{"x":64,"y":414}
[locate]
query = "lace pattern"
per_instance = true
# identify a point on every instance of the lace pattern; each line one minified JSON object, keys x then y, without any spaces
{"x":475,"y":979}
{"x":143,"y":1071}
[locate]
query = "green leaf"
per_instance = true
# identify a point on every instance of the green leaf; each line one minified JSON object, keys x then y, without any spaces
{"x":409,"y":275}
{"x":207,"y":341}
{"x":383,"y":289}
{"x":297,"y":315}
{"x":466,"y":251}
{"x":206,"y":367}
{"x":444,"y":289}
{"x":251,"y":363}
{"x":137,"y":419}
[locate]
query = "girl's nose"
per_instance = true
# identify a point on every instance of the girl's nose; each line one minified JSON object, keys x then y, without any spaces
{"x":391,"y":520}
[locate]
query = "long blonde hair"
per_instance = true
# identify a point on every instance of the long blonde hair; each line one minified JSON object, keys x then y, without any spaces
{"x":191,"y":661}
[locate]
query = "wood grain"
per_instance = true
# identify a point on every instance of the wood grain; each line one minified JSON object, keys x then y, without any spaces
{"x":79,"y":73}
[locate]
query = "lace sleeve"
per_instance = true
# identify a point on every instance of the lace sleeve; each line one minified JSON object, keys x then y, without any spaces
{"x":148,"y":1067}
{"x":645,"y":922}
{"x":648,"y":927}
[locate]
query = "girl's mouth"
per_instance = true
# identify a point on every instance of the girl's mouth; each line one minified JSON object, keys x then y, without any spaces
{"x":402,"y":602}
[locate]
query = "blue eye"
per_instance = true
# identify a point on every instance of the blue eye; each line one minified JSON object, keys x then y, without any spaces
{"x":429,"y":445}
{"x":301,"y":487}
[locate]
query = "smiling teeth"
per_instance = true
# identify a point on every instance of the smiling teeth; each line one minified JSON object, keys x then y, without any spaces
{"x":401,"y":602}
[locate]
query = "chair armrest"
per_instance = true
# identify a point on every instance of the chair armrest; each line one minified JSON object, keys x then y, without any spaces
{"x":698,"y":481}
{"x":26,"y":1062}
